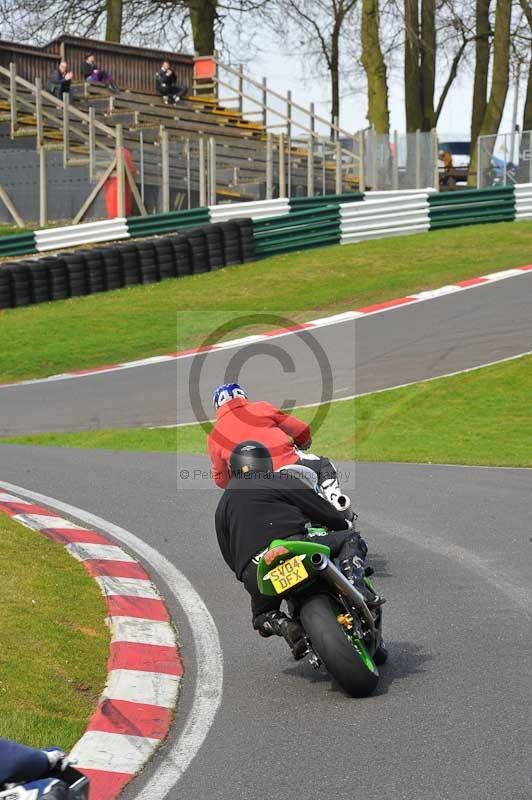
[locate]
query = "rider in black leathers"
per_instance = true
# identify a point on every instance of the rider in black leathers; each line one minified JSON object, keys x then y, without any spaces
{"x":260,"y":505}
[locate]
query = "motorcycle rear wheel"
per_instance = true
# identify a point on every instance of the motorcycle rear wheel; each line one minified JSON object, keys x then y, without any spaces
{"x":344,"y":658}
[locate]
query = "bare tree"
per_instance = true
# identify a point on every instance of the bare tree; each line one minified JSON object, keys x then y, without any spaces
{"x":482,"y":61}
{"x":527,"y":111}
{"x":320,"y":27}
{"x":375,"y":67}
{"x":500,"y":81}
{"x":428,"y":29}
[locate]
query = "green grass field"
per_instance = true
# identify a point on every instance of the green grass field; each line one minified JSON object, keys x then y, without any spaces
{"x":482,"y":417}
{"x":54,"y":641}
{"x":147,"y":320}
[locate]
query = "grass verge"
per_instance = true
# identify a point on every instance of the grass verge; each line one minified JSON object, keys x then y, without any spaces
{"x":143,"y":321}
{"x":482,"y":417}
{"x":54,"y":642}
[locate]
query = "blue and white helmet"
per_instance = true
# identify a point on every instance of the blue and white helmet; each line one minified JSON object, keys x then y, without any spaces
{"x":226,"y":392}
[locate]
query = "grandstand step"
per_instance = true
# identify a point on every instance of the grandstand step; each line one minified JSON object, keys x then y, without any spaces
{"x":77,"y":162}
{"x":20,"y":132}
{"x":52,"y":146}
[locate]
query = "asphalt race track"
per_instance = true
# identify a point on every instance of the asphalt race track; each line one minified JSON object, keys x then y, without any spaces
{"x":407,"y":344}
{"x":453,"y":551}
{"x":452,"y":547}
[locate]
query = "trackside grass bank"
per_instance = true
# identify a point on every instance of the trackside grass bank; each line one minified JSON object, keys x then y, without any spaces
{"x":144,"y":321}
{"x":482,"y":417}
{"x":54,"y":640}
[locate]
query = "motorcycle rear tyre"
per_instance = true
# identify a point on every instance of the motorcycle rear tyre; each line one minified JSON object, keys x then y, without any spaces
{"x":331,"y":643}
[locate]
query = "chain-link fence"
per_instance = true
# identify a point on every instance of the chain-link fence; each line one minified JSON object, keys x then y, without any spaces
{"x":409,"y":161}
{"x":504,"y":159}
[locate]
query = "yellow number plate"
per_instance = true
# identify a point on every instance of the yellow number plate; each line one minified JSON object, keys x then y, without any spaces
{"x":287,"y":575}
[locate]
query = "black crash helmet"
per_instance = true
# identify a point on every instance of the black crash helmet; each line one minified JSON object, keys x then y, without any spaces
{"x":250,"y":457}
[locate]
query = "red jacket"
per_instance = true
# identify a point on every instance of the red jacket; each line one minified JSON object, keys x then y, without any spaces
{"x":239,"y":420}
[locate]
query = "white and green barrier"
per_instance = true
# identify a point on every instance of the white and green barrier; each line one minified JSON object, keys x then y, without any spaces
{"x":380,"y":217}
{"x":302,"y":222}
{"x":472,"y":207}
{"x":523,"y":201}
{"x":108,"y":230}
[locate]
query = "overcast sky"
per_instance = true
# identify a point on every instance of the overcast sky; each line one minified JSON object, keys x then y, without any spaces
{"x":285,"y":72}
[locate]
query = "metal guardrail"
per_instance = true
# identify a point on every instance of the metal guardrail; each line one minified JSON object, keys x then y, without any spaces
{"x":523,"y":201}
{"x":88,"y":233}
{"x":298,"y":230}
{"x":18,"y":244}
{"x":472,"y":207}
{"x":299,"y":203}
{"x":255,"y":210}
{"x":383,"y":217}
{"x":304,"y":223}
{"x":166,"y":223}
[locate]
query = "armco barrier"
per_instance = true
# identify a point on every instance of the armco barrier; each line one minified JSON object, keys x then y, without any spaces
{"x":108,"y":230}
{"x":167,"y":223}
{"x":471,"y":207}
{"x":299,"y":230}
{"x":17,"y":244}
{"x":523,"y":201}
{"x":261,"y":209}
{"x":375,"y":219}
{"x":200,"y":249}
{"x":449,"y":209}
{"x":304,"y":203}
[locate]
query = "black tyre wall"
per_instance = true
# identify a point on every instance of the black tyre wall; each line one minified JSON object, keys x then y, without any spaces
{"x":247,"y":239}
{"x":130,"y":264}
{"x":215,"y":246}
{"x":198,"y":250}
{"x":6,"y":300}
{"x":77,"y":273}
{"x":95,"y":271}
{"x":166,"y":263}
{"x":58,"y":279}
{"x":40,"y":281}
{"x":19,"y":275}
{"x":231,"y":242}
{"x":182,"y":254}
{"x":148,"y":262}
{"x":112,"y":263}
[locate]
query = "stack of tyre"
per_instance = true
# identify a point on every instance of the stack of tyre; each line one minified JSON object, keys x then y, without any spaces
{"x":83,"y":272}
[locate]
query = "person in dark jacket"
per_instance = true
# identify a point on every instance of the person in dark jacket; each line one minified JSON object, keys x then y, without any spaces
{"x":60,"y":80}
{"x":260,"y":505}
{"x":21,"y":764}
{"x":93,"y":74}
{"x":167,"y":86}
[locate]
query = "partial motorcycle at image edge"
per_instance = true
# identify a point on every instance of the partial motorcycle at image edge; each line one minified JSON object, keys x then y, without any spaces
{"x":61,"y":784}
{"x":342,"y":624}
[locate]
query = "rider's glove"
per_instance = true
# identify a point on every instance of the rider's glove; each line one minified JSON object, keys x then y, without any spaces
{"x":57,"y":758}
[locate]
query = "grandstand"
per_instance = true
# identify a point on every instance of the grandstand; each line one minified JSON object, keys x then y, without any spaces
{"x":204,"y":150}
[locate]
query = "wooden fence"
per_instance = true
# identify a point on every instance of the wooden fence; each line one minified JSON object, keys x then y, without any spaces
{"x":132,"y":67}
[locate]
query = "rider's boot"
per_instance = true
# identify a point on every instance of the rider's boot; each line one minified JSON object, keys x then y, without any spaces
{"x":275,"y":623}
{"x":352,"y":566}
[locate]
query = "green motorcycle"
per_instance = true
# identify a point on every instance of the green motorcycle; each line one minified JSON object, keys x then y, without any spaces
{"x":343,"y":633}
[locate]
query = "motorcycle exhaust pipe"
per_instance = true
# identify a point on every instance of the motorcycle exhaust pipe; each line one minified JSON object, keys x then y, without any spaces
{"x":338,"y":581}
{"x":342,"y":502}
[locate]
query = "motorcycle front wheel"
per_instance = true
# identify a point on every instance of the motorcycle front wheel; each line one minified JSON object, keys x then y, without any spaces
{"x":344,"y":656}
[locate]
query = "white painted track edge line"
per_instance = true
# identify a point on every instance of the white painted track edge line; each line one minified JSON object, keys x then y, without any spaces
{"x":209,"y":658}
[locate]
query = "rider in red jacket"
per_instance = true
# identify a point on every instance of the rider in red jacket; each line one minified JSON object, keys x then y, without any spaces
{"x":238,"y":420}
